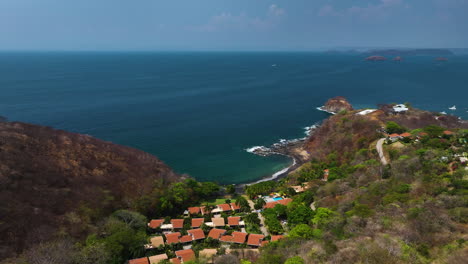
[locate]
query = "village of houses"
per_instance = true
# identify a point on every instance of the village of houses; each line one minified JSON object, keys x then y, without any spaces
{"x":229,"y":231}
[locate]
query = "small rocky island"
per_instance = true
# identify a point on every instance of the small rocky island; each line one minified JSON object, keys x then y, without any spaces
{"x":336,"y":105}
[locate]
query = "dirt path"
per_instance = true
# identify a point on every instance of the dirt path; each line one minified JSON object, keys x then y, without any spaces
{"x":262,"y":220}
{"x":380,"y":151}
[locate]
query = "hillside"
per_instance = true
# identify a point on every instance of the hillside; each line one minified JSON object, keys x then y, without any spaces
{"x":52,"y":180}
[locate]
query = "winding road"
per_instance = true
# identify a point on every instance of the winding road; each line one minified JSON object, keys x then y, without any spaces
{"x":380,"y":151}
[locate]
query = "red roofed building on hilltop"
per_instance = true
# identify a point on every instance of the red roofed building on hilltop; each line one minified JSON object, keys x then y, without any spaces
{"x":448,"y":133}
{"x":236,"y":237}
{"x":284,"y":201}
{"x":216,"y":233}
{"x":155,"y":223}
{"x":172,"y":238}
{"x":196,"y":234}
{"x":225,"y":207}
{"x":255,"y":240}
{"x":235,"y":207}
{"x":139,"y":261}
{"x":194,"y":210}
{"x":185,"y":255}
{"x":197,"y":222}
{"x":405,"y":135}
{"x":177,"y":223}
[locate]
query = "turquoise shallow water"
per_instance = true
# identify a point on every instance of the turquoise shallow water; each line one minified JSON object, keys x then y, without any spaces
{"x":198,"y":112}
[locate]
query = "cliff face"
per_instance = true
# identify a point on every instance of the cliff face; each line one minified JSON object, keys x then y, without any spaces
{"x":337,"y":104}
{"x":51,"y":179}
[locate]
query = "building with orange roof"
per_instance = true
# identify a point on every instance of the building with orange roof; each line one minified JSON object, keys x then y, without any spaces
{"x":405,"y":135}
{"x":264,"y":243}
{"x":284,"y":201}
{"x":185,"y":255}
{"x":216,"y":233}
{"x":233,"y":220}
{"x":177,"y":223}
{"x":276,"y":238}
{"x":255,"y":240}
{"x":155,"y":223}
{"x":235,"y":207}
{"x":174,"y":261}
{"x":139,"y":261}
{"x":196,"y":234}
{"x":224,"y":207}
{"x":185,"y":239}
{"x":194,"y":210}
{"x":197,"y":222}
{"x":236,"y":237}
{"x":172,"y":238}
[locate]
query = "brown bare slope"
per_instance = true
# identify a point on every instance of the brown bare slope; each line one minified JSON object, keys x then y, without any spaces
{"x":52,"y":179}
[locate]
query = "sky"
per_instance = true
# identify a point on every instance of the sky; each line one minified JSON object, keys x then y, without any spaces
{"x":231,"y":24}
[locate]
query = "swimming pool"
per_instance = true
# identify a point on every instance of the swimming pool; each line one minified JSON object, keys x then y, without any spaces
{"x":277,"y":198}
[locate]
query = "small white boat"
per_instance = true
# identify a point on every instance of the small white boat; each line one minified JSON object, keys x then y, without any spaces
{"x":453,"y":108}
{"x":273,"y":65}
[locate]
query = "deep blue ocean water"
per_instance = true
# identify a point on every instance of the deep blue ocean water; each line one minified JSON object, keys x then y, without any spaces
{"x":198,"y":111}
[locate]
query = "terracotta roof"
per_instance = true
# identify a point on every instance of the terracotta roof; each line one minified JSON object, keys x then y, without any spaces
{"x":265,"y":243}
{"x":239,"y":237}
{"x":216,"y":233}
{"x":197,"y":234}
{"x":194,"y":210}
{"x":177,"y":223}
{"x":448,"y":132}
{"x":276,"y":238}
{"x":406,"y":134}
{"x":139,"y":261}
{"x":157,"y":241}
{"x":197,"y":222}
{"x":233,"y":221}
{"x":186,"y":255}
{"x":284,"y":201}
{"x":175,"y":261}
{"x":255,"y":240}
{"x":185,"y":239}
{"x":157,"y":258}
{"x":422,"y":134}
{"x":155,"y":223}
{"x":202,"y":209}
{"x":234,"y":206}
{"x":227,"y":239}
{"x":225,"y":207}
{"x":172,"y":238}
{"x":394,"y":135}
{"x":218,"y":221}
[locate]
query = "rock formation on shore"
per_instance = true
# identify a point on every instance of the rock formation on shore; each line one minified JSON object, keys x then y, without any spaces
{"x":337,"y":104}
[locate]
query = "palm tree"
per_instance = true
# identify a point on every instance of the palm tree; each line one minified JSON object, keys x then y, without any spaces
{"x":243,"y":203}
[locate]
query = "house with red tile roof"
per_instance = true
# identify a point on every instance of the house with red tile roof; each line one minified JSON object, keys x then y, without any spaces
{"x":264,"y":243}
{"x":255,"y":240}
{"x":197,"y":222}
{"x":225,"y":207}
{"x":139,"y":261}
{"x":185,"y":255}
{"x":394,"y":137}
{"x":174,"y":261}
{"x":196,"y":234}
{"x":236,"y":237}
{"x":216,"y":233}
{"x":194,"y":210}
{"x":405,"y":135}
{"x":177,"y":223}
{"x":284,"y":201}
{"x":235,"y":207}
{"x":172,"y":238}
{"x":276,"y":238}
{"x":235,"y":221}
{"x":155,"y":223}
{"x":185,"y":239}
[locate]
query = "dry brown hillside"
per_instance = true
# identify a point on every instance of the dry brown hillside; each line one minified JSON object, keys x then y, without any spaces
{"x":53,"y":179}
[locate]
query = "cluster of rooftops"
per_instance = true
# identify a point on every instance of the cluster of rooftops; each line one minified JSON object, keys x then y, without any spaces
{"x":171,"y":232}
{"x":396,"y":136}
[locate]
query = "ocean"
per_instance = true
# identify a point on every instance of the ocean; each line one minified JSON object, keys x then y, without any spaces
{"x":200,"y":111}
